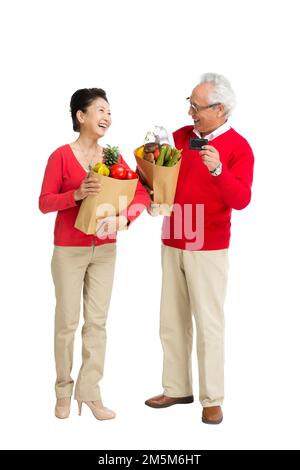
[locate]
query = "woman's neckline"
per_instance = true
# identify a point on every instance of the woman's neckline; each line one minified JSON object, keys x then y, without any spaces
{"x":78,"y":162}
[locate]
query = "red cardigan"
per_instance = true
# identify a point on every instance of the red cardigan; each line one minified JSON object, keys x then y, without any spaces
{"x":63,"y":175}
{"x":218,"y":195}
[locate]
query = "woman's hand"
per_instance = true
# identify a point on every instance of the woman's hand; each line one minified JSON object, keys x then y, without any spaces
{"x":90,"y":186}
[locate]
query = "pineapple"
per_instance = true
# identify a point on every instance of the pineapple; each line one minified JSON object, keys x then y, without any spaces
{"x":111,"y":155}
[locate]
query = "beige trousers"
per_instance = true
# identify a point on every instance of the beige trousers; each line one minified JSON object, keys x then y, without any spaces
{"x":194,"y":282}
{"x":74,"y":269}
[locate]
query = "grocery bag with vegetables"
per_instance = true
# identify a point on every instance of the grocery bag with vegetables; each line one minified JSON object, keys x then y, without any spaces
{"x":118,"y":186}
{"x":158,"y":165}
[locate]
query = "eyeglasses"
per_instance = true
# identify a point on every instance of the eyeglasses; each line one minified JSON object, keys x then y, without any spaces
{"x":198,"y":108}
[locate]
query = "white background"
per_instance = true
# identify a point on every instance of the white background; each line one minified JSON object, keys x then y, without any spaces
{"x":148,"y":56}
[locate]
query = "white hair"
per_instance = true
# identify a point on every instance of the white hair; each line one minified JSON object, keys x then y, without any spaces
{"x":222,"y":91}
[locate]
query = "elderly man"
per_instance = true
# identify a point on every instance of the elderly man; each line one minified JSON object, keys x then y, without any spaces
{"x":195,"y":238}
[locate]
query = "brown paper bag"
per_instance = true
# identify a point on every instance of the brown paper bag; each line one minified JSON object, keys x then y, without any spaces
{"x":162,"y":179}
{"x":114,"y":197}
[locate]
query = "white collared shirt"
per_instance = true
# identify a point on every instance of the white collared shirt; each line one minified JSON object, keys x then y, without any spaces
{"x":219,"y":131}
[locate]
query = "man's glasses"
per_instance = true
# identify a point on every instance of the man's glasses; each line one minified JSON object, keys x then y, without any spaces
{"x":198,"y":108}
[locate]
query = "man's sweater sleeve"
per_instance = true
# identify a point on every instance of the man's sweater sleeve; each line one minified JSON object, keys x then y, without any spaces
{"x":235,"y":181}
{"x":140,"y":201}
{"x":51,"y":199}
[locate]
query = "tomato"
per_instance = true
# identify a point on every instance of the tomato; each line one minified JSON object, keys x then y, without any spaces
{"x":118,"y":171}
{"x":156,"y":154}
{"x":130,"y":175}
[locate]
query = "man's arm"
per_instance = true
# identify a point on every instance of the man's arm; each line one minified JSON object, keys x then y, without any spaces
{"x":235,"y":181}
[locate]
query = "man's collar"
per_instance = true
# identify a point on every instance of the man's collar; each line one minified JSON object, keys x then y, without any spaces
{"x":220,"y":130}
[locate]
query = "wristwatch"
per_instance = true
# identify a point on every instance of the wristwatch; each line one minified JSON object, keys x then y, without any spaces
{"x":217,"y":171}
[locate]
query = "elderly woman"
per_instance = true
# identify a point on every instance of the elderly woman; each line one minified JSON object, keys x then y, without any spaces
{"x":81,"y":261}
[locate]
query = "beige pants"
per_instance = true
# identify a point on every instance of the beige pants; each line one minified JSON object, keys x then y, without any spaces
{"x":74,"y":268}
{"x":194,"y":282}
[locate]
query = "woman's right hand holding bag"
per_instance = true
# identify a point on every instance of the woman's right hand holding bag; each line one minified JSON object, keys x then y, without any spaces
{"x":90,"y":186}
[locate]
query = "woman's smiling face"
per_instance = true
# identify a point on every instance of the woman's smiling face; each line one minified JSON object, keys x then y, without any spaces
{"x":96,"y":119}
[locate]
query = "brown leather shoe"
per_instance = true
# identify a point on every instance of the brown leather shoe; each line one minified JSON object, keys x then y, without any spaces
{"x":212,"y":415}
{"x":161,"y":401}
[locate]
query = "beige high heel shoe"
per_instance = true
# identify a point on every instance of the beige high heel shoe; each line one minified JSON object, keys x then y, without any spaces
{"x":99,"y":413}
{"x":62,"y":408}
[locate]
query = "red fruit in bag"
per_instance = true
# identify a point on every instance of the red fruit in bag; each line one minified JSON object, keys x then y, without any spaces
{"x":130,"y":175}
{"x":156,"y":154}
{"x":118,"y":171}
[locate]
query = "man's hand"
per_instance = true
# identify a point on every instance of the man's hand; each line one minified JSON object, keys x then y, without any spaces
{"x":210,"y":157}
{"x":159,"y":209}
{"x":109,"y":225}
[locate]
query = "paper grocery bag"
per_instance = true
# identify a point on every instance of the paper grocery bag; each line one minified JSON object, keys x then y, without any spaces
{"x":114,"y":197}
{"x":162,"y":179}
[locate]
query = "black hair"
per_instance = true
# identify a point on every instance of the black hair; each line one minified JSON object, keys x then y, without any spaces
{"x":81,"y":99}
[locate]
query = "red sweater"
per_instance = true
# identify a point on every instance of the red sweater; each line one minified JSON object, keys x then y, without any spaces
{"x":63,"y":175}
{"x":218,"y":194}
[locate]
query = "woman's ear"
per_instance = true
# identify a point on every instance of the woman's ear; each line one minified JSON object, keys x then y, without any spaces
{"x":80,"y":116}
